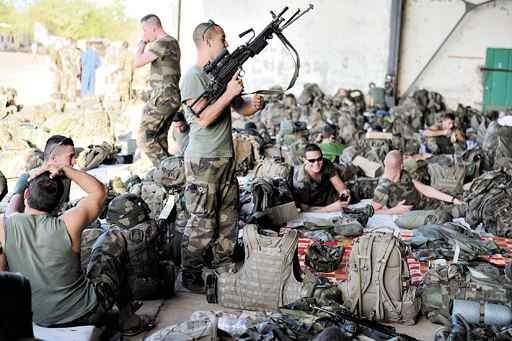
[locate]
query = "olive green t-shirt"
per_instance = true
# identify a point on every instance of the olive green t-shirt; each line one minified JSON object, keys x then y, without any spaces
{"x":215,"y":140}
{"x":39,"y":247}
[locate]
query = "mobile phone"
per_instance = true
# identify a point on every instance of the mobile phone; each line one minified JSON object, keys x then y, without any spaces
{"x":343,"y":197}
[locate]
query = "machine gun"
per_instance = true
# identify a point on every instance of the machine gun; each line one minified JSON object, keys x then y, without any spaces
{"x":354,"y":325}
{"x":222,"y":68}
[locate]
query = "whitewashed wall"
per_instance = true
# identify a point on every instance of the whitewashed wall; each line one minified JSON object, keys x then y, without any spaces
{"x":341,"y":43}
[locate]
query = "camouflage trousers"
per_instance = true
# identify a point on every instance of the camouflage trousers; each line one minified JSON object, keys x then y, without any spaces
{"x":107,"y":273}
{"x":154,"y":126}
{"x":69,"y":86}
{"x":212,"y":199}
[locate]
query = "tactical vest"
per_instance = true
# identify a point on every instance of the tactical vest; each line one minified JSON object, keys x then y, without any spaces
{"x":266,"y":280}
{"x":443,"y":284}
{"x":378,"y":284}
{"x":447,"y":178}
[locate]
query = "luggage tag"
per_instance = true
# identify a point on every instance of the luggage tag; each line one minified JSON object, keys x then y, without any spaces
{"x":168,"y":207}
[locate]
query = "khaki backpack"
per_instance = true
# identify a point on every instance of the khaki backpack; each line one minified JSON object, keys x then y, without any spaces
{"x":447,"y":178}
{"x":273,"y":169}
{"x":378,"y":285}
{"x":247,"y":152}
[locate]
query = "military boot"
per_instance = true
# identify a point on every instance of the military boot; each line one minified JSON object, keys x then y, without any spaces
{"x":193,"y":281}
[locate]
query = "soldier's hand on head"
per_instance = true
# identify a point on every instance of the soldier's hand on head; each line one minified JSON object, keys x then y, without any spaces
{"x":258,"y":102}
{"x":235,"y":86}
{"x":55,"y":170}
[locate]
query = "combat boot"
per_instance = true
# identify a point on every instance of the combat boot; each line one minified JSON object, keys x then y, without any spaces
{"x":193,"y":282}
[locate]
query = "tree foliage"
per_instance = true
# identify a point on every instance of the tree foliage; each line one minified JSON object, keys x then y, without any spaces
{"x":78,"y":19}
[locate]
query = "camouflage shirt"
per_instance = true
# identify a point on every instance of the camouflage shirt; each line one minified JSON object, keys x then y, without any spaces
{"x":308,"y":191}
{"x":165,"y":70}
{"x":389,"y":193}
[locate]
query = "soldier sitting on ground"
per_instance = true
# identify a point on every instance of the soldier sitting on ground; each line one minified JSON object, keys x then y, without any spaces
{"x":179,"y":134}
{"x":59,"y":151}
{"x":62,"y":295}
{"x":317,"y":186}
{"x":331,"y":149}
{"x":397,"y":192}
{"x":444,"y":138}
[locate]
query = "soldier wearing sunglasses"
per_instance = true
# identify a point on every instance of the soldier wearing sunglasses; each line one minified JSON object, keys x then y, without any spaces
{"x":317,"y":186}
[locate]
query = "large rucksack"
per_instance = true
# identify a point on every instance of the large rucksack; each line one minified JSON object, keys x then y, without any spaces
{"x":489,"y":201}
{"x":447,"y":177}
{"x":247,"y":152}
{"x":442,"y":284}
{"x":95,"y":155}
{"x":273,"y":169}
{"x":378,"y":284}
{"x":147,"y":277}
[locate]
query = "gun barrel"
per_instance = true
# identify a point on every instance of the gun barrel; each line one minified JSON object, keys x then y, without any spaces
{"x":282,"y":12}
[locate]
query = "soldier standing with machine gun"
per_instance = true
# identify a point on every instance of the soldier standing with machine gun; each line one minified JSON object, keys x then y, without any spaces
{"x":211,"y":192}
{"x":209,"y":89}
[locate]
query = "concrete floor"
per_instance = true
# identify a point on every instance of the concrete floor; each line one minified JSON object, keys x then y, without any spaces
{"x":185,"y":303}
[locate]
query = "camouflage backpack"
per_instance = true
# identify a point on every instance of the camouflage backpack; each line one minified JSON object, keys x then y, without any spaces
{"x":87,"y":240}
{"x":504,"y":148}
{"x":171,"y":173}
{"x":489,"y":201}
{"x":129,"y":213}
{"x":273,"y":169}
{"x":323,"y":258}
{"x":95,"y":155}
{"x":362,"y":188}
{"x":172,"y":229}
{"x":247,"y":152}
{"x":153,"y":194}
{"x":294,"y":153}
{"x":442,"y":284}
{"x":378,"y":285}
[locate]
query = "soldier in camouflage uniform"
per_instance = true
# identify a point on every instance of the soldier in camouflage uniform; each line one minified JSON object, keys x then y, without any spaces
{"x":397,"y":192}
{"x":444,"y":138}
{"x":70,"y":59}
{"x":317,"y":186}
{"x":163,"y":52}
{"x":68,"y":297}
{"x":124,"y":73}
{"x":211,"y":191}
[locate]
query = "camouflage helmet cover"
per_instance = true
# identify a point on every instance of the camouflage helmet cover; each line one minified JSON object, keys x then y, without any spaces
{"x":127,"y":210}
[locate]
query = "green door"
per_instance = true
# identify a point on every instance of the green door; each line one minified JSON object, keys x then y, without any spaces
{"x":498,"y":79}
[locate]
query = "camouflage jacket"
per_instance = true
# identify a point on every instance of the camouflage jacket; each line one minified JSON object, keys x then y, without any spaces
{"x":389,"y":193}
{"x":308,"y":191}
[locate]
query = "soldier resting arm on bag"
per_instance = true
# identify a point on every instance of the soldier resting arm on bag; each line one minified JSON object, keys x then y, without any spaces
{"x":317,"y":187}
{"x":397,"y":192}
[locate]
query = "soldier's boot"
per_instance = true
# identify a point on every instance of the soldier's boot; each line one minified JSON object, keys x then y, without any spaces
{"x":210,"y":279}
{"x":193,"y":281}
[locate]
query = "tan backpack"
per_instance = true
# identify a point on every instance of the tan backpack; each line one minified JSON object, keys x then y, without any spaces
{"x":378,"y":285}
{"x":247,"y":152}
{"x":273,"y":169}
{"x":447,"y":178}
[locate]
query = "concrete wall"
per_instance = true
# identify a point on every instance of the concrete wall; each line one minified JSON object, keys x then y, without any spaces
{"x":455,"y":71}
{"x":341,"y":43}
{"x":345,"y":43}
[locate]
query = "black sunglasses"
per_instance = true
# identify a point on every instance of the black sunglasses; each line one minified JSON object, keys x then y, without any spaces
{"x":315,"y":160}
{"x":211,"y":23}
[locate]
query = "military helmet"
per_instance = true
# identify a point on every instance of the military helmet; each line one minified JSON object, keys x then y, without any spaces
{"x":127,"y":210}
{"x":171,"y":173}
